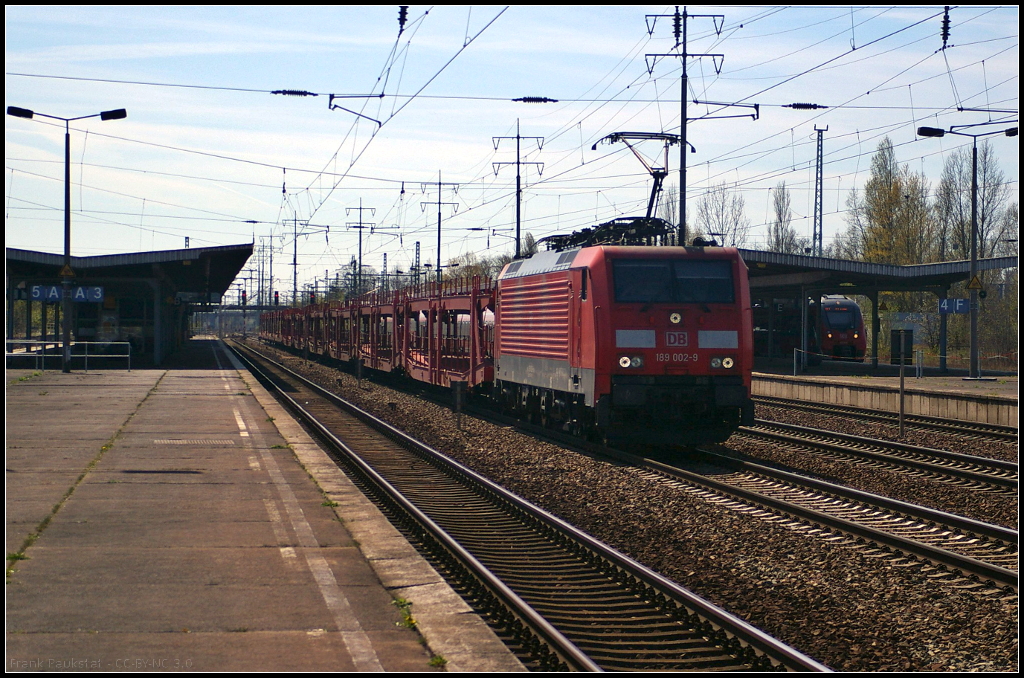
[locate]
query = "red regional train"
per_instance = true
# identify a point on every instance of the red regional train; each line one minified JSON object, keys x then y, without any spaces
{"x":835,"y":329}
{"x":638,"y":344}
{"x":841,"y":329}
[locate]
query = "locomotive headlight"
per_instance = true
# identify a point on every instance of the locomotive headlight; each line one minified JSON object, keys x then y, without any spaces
{"x":716,"y":363}
{"x":675,"y":318}
{"x":635,"y":361}
{"x":856,"y":336}
{"x":829,"y":335}
{"x":624,"y":361}
{"x":727,"y":363}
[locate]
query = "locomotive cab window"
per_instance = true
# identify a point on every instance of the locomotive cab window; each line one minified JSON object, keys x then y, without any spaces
{"x":673,"y":281}
{"x":840,"y":319}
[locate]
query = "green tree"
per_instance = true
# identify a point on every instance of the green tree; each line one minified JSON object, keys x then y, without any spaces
{"x":893,"y":213}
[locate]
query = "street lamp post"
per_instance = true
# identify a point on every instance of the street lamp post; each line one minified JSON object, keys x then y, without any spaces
{"x":975,"y":369}
{"x":66,"y":273}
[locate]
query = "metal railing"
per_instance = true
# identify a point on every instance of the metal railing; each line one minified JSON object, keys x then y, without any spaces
{"x":41,"y":351}
{"x":920,"y":359}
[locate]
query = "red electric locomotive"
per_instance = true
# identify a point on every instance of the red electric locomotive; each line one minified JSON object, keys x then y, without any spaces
{"x":644,"y":344}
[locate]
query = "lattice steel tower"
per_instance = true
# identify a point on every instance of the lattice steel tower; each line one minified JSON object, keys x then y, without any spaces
{"x":817,"y":249}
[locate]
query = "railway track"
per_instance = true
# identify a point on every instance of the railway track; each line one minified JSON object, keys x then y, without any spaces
{"x":569,"y":601}
{"x":978,"y":473}
{"x":981,"y":544}
{"x":967,"y":553}
{"x":969,"y":429}
{"x":960,"y":547}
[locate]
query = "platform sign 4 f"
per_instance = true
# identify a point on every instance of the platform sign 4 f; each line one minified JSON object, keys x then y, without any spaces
{"x":78,"y":293}
{"x":961,"y":306}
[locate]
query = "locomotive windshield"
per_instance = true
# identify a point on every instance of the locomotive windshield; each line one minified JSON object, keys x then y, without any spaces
{"x":841,"y":319}
{"x":673,"y":281}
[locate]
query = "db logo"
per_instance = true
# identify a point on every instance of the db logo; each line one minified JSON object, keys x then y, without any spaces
{"x":677,"y":339}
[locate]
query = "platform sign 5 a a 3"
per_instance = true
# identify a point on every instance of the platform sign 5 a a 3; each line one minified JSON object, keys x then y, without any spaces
{"x":78,"y":293}
{"x":960,"y":306}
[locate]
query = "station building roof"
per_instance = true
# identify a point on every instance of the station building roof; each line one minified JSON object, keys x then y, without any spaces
{"x":199,"y":270}
{"x":146,"y":297}
{"x":786,"y":274}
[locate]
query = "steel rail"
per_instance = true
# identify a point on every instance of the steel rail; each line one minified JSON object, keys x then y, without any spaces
{"x":800,"y":435}
{"x":1000,"y":464}
{"x":997,"y":432}
{"x":952,"y":520}
{"x":957,"y":563}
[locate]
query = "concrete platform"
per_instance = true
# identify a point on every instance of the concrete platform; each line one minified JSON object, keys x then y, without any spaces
{"x":179,"y":519}
{"x":992,"y":401}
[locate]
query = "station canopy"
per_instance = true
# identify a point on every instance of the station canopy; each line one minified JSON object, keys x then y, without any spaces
{"x":785,"y":275}
{"x":142,"y":298}
{"x":201,"y":274}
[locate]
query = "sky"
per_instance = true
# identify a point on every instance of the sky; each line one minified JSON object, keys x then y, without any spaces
{"x":209,"y":153}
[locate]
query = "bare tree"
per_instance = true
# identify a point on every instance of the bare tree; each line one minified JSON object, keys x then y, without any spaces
{"x":496,"y":263}
{"x":356,"y":282}
{"x":668,"y":207}
{"x":782,"y":236}
{"x":466,"y":265}
{"x":1008,"y":245}
{"x":469,"y":264}
{"x":529,"y":246}
{"x":721,"y":214}
{"x":953,"y":204}
{"x":850,"y":243}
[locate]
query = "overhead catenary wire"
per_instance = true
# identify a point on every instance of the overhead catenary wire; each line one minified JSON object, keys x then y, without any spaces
{"x":560,"y":156}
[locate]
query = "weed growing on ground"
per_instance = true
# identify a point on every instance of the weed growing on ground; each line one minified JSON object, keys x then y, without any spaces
{"x":405,"y":607}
